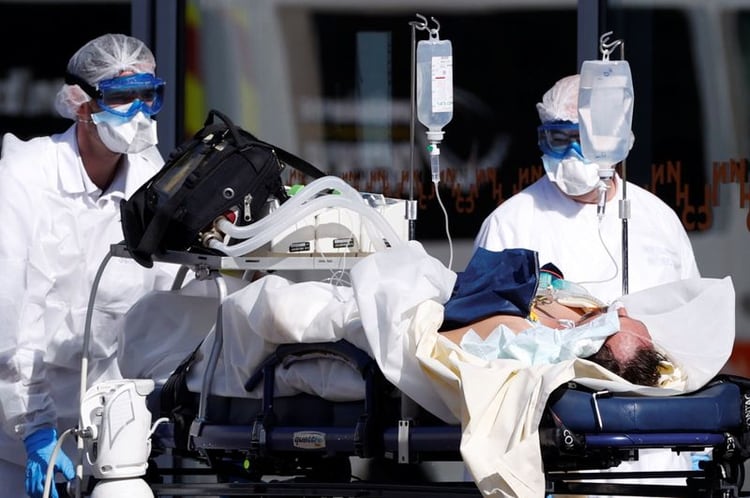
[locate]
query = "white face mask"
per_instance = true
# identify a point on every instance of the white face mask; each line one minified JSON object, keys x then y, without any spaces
{"x":540,"y":344}
{"x":125,"y":135}
{"x":572,"y":175}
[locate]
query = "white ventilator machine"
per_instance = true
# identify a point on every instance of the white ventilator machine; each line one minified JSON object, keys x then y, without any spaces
{"x":605,"y":115}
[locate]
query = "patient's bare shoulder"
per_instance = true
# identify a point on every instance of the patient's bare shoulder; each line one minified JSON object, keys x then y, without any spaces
{"x":485,"y":326}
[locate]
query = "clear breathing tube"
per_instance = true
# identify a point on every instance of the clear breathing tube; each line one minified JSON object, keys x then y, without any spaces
{"x":305,"y":203}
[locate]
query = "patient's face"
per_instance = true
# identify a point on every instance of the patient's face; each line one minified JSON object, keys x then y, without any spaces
{"x":632,"y":336}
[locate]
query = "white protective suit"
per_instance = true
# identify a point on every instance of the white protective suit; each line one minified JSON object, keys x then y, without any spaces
{"x":566,"y":233}
{"x":57,"y":228}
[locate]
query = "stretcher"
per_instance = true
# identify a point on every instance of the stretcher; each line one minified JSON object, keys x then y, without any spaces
{"x":306,"y":443}
{"x":303,"y":445}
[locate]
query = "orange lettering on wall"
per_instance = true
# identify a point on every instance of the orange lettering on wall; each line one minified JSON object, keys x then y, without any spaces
{"x":737,"y":170}
{"x":705,"y":212}
{"x":657,"y":176}
{"x":744,"y":194}
{"x":674,"y":172}
{"x":681,"y":194}
{"x":465,"y":203}
{"x":527,"y":176}
{"x":719,"y":175}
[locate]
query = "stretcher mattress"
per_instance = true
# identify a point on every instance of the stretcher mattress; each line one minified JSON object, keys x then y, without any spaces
{"x":582,"y":429}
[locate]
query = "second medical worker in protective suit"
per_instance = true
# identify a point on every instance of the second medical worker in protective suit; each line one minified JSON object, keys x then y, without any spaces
{"x":59,"y":202}
{"x":557,"y":216}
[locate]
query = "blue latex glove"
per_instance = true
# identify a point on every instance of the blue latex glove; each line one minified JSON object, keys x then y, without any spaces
{"x":39,"y":447}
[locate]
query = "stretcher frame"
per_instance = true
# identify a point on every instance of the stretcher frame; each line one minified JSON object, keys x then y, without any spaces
{"x":582,"y":433}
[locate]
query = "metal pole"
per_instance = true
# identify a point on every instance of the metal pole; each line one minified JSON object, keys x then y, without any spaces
{"x":411,"y":204}
{"x":624,"y":210}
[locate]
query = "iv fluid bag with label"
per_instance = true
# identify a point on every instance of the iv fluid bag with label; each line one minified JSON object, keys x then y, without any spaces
{"x":434,"y":83}
{"x":605,"y":111}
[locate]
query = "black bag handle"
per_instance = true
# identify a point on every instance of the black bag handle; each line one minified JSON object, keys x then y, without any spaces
{"x":286,"y":157}
{"x":230,"y":124}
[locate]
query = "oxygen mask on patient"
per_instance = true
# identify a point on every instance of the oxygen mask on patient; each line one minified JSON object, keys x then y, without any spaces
{"x":540,"y":344}
{"x":555,"y":288}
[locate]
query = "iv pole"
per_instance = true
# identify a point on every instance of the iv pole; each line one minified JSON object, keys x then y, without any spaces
{"x":411,"y":204}
{"x":624,"y":210}
{"x":409,"y":407}
{"x":624,"y":204}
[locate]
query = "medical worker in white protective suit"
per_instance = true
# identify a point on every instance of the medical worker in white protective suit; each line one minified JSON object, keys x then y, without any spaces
{"x":557,"y":217}
{"x":59,"y":202}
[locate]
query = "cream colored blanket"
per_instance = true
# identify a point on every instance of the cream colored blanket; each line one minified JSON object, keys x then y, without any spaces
{"x":499,"y":403}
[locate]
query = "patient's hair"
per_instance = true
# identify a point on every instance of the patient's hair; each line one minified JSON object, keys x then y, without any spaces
{"x":642,"y":368}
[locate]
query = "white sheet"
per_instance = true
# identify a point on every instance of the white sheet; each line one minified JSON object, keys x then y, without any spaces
{"x":393,"y":311}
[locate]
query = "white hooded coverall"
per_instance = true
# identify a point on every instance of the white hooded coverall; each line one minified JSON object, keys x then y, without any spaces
{"x":57,"y":227}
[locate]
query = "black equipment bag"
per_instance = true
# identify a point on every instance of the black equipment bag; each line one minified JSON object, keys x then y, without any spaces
{"x":220,"y":168}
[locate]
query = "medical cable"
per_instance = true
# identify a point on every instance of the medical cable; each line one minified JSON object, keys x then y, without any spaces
{"x":49,"y":476}
{"x":208,"y":375}
{"x":85,"y":360}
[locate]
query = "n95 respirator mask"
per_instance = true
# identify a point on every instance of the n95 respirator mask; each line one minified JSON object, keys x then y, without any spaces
{"x":125,"y":135}
{"x":573,"y":175}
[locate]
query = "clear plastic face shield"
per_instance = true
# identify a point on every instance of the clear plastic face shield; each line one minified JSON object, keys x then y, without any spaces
{"x":125,"y":96}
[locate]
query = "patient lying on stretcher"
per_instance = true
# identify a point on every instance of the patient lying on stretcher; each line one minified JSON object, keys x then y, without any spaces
{"x":503,"y":289}
{"x":628,"y":352}
{"x":561,"y":320}
{"x":397,"y":302}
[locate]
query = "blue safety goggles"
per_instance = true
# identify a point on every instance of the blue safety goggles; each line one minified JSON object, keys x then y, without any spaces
{"x":139,"y":92}
{"x":558,"y":139}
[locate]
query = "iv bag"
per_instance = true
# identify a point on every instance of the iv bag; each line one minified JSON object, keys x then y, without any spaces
{"x":434,"y":83}
{"x":605,"y":111}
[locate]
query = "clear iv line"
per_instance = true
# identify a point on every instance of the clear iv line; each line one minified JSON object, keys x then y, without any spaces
{"x":611,"y":258}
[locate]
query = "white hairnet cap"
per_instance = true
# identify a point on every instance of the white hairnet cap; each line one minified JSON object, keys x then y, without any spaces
{"x":102,"y":58}
{"x":560,"y":103}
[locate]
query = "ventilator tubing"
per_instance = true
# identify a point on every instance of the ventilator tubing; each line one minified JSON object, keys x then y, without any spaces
{"x":303,"y":204}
